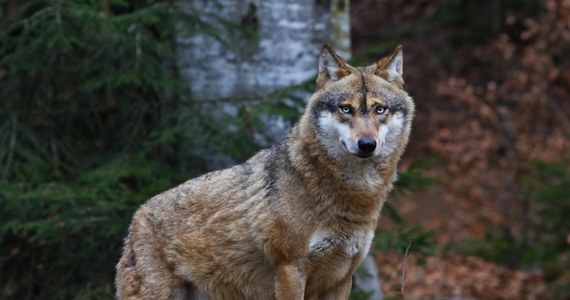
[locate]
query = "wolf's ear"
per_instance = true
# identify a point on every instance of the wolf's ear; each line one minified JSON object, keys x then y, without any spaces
{"x":391,"y":68}
{"x":331,"y":66}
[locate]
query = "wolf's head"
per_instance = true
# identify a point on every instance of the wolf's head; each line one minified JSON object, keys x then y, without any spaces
{"x":361,"y":112}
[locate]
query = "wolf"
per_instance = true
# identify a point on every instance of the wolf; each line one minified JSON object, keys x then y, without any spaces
{"x":293,"y":221}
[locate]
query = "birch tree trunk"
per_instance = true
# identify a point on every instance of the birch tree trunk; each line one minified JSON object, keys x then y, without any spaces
{"x":280,"y":48}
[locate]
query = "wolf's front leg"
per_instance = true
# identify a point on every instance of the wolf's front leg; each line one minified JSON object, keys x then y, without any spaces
{"x":339,"y":292}
{"x":290,"y":283}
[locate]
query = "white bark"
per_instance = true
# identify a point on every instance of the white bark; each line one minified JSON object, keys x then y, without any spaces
{"x":290,"y":36}
{"x":366,"y":280}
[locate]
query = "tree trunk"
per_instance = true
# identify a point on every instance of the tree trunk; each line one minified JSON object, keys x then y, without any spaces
{"x":279,"y":48}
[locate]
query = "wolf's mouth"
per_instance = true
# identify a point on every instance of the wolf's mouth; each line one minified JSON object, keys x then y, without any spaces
{"x":363,"y":155}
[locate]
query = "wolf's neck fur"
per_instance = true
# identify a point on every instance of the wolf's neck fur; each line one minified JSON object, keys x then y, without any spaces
{"x":355,"y":181}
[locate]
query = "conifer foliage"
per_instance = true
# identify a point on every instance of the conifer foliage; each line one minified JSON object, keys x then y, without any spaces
{"x":86,"y":88}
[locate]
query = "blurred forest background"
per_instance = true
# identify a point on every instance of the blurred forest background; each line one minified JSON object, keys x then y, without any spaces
{"x":89,"y":129}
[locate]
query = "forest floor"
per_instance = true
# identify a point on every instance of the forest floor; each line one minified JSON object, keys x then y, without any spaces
{"x":449,"y":274}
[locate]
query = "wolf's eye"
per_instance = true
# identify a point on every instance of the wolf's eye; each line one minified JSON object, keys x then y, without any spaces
{"x":380,"y":110}
{"x":346,"y":109}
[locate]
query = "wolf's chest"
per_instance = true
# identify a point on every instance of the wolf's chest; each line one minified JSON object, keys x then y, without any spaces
{"x":323,"y":243}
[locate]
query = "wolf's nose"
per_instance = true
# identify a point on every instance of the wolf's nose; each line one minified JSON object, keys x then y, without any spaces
{"x":367,"y":144}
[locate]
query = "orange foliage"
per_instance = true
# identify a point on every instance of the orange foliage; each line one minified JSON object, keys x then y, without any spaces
{"x":486,"y":110}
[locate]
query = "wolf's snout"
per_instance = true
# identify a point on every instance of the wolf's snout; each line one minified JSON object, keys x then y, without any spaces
{"x":367,"y":145}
